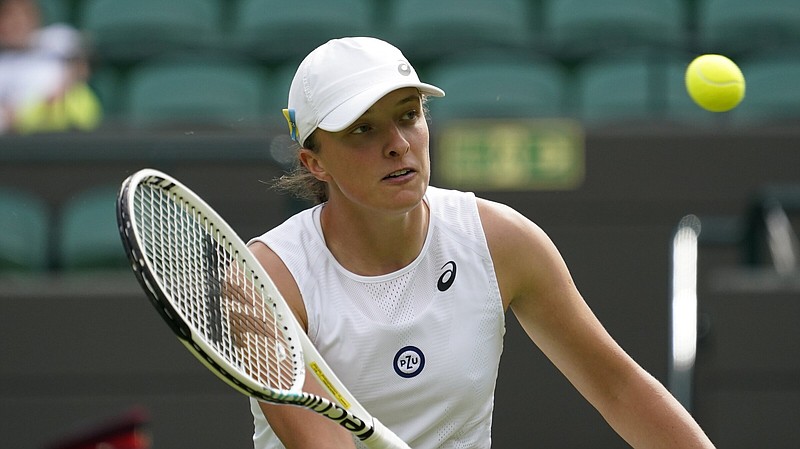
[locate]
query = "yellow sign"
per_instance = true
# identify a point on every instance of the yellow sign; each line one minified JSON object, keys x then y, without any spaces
{"x":523,"y":154}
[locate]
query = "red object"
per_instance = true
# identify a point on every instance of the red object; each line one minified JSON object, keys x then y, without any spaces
{"x":127,"y":431}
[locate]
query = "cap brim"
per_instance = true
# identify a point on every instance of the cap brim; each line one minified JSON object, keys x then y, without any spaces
{"x":348,"y":112}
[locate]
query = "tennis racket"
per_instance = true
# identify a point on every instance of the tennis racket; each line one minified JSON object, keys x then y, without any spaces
{"x":223,"y":306}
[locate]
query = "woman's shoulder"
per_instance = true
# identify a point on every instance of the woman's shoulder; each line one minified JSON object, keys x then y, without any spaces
{"x":297,"y":235}
{"x":504,"y":225}
{"x":455,"y":211}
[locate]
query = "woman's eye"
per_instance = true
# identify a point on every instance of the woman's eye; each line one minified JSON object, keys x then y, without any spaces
{"x":360,"y":129}
{"x":411,"y":115}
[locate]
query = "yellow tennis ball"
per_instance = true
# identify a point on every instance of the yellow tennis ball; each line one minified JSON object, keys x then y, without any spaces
{"x":715,"y":83}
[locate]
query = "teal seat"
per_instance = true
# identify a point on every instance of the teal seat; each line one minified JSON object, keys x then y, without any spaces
{"x":55,"y":11}
{"x":575,"y":29}
{"x":500,"y":87}
{"x":772,"y":91}
{"x":614,"y":90}
{"x":643,"y":88}
{"x":131,"y":30}
{"x":679,"y":106}
{"x":274,"y":31}
{"x":739,"y":27}
{"x":426,"y":30}
{"x":280,"y":80}
{"x":25,"y":240}
{"x":204,"y":93}
{"x":106,"y":82}
{"x":88,"y":236}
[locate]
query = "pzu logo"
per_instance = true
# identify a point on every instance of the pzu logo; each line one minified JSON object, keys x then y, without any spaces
{"x":409,"y":361}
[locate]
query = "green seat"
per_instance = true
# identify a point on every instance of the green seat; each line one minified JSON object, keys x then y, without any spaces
{"x":88,"y":236}
{"x":25,"y":240}
{"x":614,"y":89}
{"x":175,"y":93}
{"x":426,"y":30}
{"x":636,"y":88}
{"x":575,"y":29}
{"x":739,"y":27}
{"x":280,"y":80}
{"x":131,"y":30}
{"x":772,"y":92}
{"x":55,"y":11}
{"x":105,"y":81}
{"x":679,"y":107}
{"x":273,"y":30}
{"x":500,"y":87}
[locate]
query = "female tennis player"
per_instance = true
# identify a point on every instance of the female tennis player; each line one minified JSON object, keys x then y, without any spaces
{"x":403,"y":287}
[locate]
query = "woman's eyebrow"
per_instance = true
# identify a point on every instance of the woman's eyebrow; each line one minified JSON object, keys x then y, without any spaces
{"x":413,"y":98}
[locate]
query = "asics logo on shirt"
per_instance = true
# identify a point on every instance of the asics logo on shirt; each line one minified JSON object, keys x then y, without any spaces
{"x":448,"y":277}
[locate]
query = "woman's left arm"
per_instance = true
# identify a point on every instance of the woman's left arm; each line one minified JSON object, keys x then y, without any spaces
{"x":536,"y":284}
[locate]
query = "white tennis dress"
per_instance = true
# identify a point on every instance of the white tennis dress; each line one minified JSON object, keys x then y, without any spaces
{"x":420,"y":347}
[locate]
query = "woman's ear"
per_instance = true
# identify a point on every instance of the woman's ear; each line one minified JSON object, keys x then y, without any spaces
{"x":313,"y":164}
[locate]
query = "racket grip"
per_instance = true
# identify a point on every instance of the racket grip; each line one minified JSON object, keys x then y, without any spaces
{"x":383,"y":438}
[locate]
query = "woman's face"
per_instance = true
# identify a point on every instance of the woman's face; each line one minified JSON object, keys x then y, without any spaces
{"x":381,"y":161}
{"x":19,"y":19}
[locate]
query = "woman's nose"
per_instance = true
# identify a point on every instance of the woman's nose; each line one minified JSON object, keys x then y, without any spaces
{"x":397,"y":145}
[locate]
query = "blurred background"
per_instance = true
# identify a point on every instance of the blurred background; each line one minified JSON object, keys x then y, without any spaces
{"x":572,"y":111}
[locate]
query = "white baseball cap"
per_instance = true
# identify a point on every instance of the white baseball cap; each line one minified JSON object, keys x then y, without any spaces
{"x":338,"y":81}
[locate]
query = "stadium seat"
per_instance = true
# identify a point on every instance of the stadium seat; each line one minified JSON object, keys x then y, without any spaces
{"x":679,"y":108}
{"x":497,"y":87}
{"x":640,"y":87}
{"x":739,"y":27}
{"x":274,"y":31}
{"x":426,"y":30}
{"x":25,"y":240}
{"x":772,"y":91}
{"x":575,"y":29}
{"x":127,"y":31}
{"x":55,"y":11}
{"x":88,"y":238}
{"x":280,"y":80}
{"x":105,"y":81}
{"x":614,"y":89}
{"x":212,"y":93}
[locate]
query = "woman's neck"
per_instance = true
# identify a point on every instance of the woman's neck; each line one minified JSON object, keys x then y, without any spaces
{"x":371,"y":244}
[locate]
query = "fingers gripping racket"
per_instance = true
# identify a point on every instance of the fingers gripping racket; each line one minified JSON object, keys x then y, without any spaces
{"x":223,"y":306}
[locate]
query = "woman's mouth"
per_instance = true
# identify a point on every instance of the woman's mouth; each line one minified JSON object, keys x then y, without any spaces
{"x":398,"y":173}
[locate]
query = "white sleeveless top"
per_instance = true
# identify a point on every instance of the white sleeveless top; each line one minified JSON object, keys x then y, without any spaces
{"x":420,"y":347}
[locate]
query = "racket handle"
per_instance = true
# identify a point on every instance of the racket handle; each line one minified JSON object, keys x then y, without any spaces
{"x":383,"y":438}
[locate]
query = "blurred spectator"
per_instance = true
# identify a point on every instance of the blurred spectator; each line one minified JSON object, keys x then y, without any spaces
{"x":43,"y":74}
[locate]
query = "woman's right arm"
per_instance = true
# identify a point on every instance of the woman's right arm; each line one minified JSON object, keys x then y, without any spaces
{"x":297,"y":427}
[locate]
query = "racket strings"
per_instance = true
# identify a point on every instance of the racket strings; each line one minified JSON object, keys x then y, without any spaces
{"x":212,"y":288}
{"x":257,"y":333}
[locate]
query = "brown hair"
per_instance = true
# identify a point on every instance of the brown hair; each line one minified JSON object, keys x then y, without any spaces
{"x":300,"y":182}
